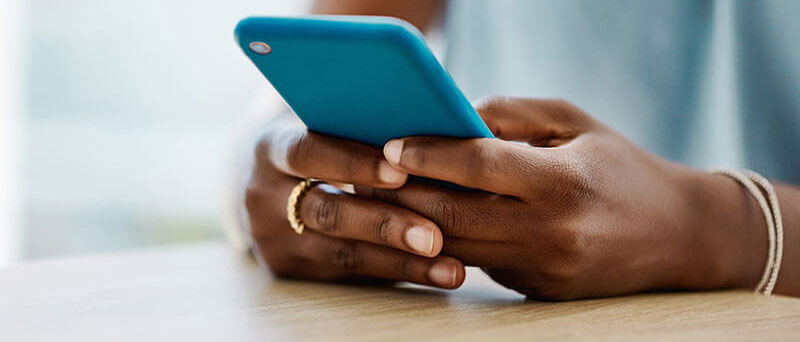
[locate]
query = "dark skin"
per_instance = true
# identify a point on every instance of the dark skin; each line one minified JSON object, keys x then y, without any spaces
{"x":347,"y":237}
{"x":577,"y":211}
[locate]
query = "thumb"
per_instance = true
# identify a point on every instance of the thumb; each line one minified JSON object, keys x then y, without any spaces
{"x":540,"y":122}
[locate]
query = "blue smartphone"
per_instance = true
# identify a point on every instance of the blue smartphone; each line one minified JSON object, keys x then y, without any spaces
{"x":369,"y":79}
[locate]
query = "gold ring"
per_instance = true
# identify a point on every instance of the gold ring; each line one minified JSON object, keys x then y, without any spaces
{"x":292,"y":210}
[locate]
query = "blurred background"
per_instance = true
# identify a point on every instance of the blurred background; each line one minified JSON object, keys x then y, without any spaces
{"x":117,"y":119}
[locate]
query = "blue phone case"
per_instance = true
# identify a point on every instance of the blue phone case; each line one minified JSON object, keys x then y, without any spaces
{"x":369,"y":79}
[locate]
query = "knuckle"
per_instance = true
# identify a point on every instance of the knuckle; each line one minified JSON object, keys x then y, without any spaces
{"x":574,"y":169}
{"x":578,"y":119}
{"x":566,"y":261}
{"x":299,"y":151}
{"x":555,"y":276}
{"x":538,"y":288}
{"x":558,"y":273}
{"x":568,"y":249}
{"x":326,"y":209}
{"x":492,"y":104}
{"x":446,"y":215}
{"x":382,"y":226}
{"x":572,"y":182}
{"x":482,"y":157}
{"x":579,"y":179}
{"x":348,"y":257}
{"x":549,"y":290}
{"x":562,"y":106}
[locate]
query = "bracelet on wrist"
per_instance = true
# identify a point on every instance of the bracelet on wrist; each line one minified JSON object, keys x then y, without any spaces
{"x":757,"y":186}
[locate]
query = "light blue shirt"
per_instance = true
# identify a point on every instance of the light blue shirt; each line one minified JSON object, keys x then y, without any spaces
{"x":707,"y":83}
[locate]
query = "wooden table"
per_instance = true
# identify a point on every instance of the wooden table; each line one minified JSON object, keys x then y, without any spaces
{"x":211,"y":292}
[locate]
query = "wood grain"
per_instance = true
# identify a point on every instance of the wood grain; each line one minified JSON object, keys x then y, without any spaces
{"x":212,"y":293}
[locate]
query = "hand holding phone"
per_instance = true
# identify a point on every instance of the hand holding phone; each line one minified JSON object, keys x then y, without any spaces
{"x":337,"y":75}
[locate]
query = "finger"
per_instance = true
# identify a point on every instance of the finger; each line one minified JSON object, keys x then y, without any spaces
{"x":458,"y":213}
{"x":493,"y":165}
{"x":305,"y":154}
{"x":361,"y":258}
{"x":487,"y":254}
{"x":541,"y":122}
{"x":337,"y":214}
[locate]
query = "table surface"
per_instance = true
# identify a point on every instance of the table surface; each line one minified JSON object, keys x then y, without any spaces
{"x":211,"y":292}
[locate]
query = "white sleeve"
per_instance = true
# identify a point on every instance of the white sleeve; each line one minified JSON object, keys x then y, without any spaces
{"x":235,"y":220}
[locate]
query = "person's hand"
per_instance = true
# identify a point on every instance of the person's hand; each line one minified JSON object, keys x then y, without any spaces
{"x":578,"y":211}
{"x":346,"y":238}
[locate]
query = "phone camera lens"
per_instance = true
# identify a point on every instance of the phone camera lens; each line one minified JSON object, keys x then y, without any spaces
{"x":260,"y":48}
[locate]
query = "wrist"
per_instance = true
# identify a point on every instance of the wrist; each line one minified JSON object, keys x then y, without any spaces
{"x":728,"y":229}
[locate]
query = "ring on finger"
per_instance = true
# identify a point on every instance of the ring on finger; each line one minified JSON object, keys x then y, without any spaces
{"x":292,"y":204}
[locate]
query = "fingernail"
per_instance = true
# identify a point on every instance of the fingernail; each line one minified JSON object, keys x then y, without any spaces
{"x":443,"y":274}
{"x":420,"y":239}
{"x":392,"y":150}
{"x":390,"y":175}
